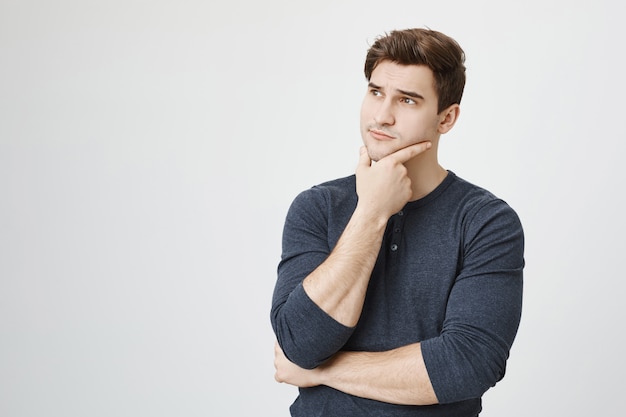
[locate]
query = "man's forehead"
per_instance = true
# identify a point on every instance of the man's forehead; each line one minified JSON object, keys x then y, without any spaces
{"x":417,"y":78}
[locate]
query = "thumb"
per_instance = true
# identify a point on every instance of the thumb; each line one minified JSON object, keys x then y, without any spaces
{"x":364,"y":158}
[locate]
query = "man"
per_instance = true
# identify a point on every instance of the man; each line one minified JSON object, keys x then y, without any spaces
{"x":399,"y":289}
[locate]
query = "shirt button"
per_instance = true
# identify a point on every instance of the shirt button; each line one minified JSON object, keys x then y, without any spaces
{"x":394,"y":247}
{"x":400,"y":213}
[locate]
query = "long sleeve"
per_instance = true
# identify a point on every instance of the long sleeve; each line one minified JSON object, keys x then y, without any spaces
{"x":314,"y":222}
{"x":483,"y":310}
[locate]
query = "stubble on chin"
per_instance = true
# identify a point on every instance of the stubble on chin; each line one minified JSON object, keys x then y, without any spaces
{"x":378,"y":151}
{"x":376,"y":155}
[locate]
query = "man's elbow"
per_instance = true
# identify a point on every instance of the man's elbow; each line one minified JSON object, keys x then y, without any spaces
{"x":306,"y":341}
{"x":297,"y":348}
{"x":474,"y":379}
{"x":301,"y":356}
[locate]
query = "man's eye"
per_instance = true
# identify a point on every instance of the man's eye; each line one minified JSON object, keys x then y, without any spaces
{"x":376,"y":93}
{"x":407,"y":100}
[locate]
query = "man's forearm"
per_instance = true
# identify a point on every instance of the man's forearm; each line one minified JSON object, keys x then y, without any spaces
{"x":398,"y":376}
{"x":338,"y":286}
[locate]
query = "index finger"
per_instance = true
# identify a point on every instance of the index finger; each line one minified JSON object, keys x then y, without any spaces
{"x":411,"y":151}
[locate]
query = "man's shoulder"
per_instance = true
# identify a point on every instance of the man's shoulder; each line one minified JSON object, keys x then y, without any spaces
{"x":470,"y":192}
{"x":335,"y":196}
{"x":336,"y":189}
{"x":339,"y":185}
{"x":479,"y":203}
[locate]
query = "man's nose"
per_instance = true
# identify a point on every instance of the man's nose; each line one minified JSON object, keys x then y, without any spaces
{"x":384,"y":114}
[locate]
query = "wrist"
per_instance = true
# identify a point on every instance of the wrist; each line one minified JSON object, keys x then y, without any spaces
{"x":371,"y":217}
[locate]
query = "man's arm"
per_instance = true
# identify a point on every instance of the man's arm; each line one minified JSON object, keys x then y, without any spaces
{"x":397,"y":376}
{"x":337,"y":286}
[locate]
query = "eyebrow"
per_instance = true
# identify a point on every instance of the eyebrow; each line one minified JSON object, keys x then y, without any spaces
{"x":403,"y":92}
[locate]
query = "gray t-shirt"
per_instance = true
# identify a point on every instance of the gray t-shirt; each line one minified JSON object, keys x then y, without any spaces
{"x":448,"y":275}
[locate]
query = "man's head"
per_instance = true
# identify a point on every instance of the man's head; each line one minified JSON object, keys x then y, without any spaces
{"x":415,"y":83}
{"x":430,"y":48}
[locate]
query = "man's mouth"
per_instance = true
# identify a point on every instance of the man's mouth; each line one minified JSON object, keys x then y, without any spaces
{"x":380,"y":134}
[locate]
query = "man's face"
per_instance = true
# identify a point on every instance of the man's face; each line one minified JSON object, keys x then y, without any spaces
{"x":399,"y":109}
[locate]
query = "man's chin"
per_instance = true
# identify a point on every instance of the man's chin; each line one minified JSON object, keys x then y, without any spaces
{"x":376,"y":153}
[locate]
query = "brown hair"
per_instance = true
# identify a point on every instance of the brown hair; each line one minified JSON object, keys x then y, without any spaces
{"x":439,"y":52}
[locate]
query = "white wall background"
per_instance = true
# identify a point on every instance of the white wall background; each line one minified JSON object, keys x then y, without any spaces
{"x":149,"y":151}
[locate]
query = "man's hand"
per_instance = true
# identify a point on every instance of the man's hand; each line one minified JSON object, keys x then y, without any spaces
{"x":384,"y":187}
{"x":290,"y":373}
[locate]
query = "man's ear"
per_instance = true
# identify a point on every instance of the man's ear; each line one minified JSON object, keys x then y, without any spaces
{"x":448,"y":118}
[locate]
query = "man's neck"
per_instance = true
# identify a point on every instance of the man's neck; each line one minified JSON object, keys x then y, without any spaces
{"x":426,"y":174}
